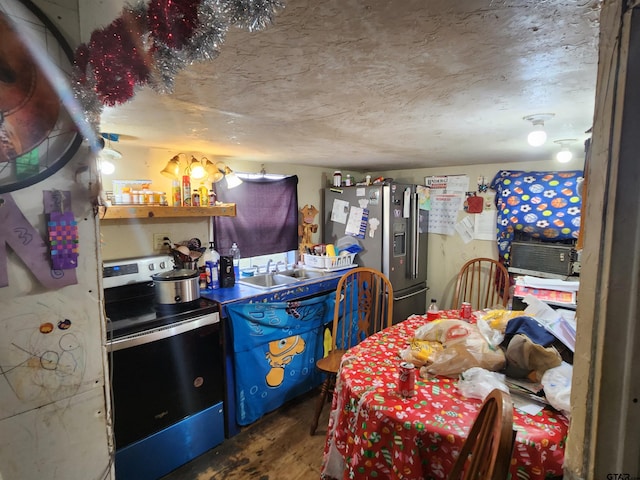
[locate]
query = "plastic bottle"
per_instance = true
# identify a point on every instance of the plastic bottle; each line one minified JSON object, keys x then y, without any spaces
{"x":204,"y":195}
{"x":176,"y":194}
{"x":337,"y":178}
{"x":234,"y":251}
{"x":212,"y":261}
{"x":433,"y":312}
{"x":186,"y":191}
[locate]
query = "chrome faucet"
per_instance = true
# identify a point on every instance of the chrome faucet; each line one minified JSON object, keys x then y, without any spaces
{"x":268,"y":269}
{"x":280,"y":262}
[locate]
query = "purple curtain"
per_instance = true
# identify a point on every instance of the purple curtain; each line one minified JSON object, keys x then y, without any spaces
{"x":266,"y":218}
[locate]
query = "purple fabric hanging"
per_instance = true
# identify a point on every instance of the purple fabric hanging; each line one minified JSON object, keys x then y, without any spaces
{"x":266,"y":218}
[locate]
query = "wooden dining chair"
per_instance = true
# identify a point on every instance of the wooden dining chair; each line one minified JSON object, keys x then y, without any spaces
{"x":483,"y":282}
{"x":364,"y":305}
{"x":486,"y":453}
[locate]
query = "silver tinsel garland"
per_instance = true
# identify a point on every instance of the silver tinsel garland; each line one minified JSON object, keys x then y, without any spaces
{"x":215,"y":17}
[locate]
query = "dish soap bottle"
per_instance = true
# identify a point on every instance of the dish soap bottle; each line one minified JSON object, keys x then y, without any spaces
{"x":234,"y":251}
{"x":433,"y":312}
{"x":211,"y":262}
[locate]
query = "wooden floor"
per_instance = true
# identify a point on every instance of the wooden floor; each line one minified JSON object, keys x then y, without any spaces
{"x":276,"y":447}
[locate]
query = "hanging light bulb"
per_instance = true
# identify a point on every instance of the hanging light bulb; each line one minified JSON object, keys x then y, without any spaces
{"x":107,"y":156}
{"x":105,"y":166}
{"x":564,"y":155}
{"x":538,"y":136}
{"x":196,"y":170}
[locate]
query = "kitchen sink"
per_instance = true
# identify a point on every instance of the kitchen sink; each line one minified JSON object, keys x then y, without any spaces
{"x":266,"y":281}
{"x":278,"y":279}
{"x":302,"y":274}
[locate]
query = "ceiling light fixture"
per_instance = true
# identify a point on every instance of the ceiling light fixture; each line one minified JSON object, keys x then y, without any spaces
{"x":106,"y":156}
{"x":232,"y":179}
{"x":172,"y":168}
{"x":564,"y":155}
{"x":215,"y":171}
{"x":107,"y":149}
{"x":201,"y":169}
{"x":195,"y":169}
{"x":106,"y":167}
{"x":538,"y":136}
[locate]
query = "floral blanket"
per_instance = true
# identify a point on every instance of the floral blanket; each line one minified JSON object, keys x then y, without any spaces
{"x":544,"y":205}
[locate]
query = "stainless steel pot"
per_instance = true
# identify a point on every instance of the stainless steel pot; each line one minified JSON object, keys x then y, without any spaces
{"x":176,"y":286}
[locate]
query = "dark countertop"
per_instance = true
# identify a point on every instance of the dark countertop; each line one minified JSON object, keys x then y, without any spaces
{"x":303,"y":288}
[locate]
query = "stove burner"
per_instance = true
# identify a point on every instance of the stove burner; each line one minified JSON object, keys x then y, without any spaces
{"x":138,"y":314}
{"x":169,"y":308}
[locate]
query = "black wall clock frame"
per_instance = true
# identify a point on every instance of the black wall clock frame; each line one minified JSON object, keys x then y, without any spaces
{"x":59,"y":141}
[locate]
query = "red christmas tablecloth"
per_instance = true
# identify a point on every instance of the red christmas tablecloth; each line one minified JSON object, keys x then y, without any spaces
{"x":375,"y":433}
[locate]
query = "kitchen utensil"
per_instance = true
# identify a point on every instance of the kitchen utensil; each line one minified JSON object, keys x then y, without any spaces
{"x":194,"y":243}
{"x":195,"y":255}
{"x":176,"y":286}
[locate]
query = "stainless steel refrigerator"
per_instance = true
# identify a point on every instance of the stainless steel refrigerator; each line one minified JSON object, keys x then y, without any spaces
{"x":392,"y":230}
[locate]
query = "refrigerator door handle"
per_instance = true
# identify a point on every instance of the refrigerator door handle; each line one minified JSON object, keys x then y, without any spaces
{"x":411,"y":294}
{"x":415,"y":244}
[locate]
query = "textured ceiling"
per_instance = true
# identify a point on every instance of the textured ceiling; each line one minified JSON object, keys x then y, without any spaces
{"x":375,"y":84}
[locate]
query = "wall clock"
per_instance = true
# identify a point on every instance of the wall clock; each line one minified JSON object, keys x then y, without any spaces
{"x":37,"y":133}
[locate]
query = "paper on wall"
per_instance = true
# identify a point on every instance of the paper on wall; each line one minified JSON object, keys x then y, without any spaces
{"x":443,"y":214}
{"x":339,"y":211}
{"x":449,"y":184}
{"x":485,"y":225}
{"x":465,"y":229}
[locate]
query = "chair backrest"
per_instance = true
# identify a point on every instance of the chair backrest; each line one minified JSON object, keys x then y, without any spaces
{"x":364,"y":305}
{"x":483,"y":282}
{"x":490,"y":441}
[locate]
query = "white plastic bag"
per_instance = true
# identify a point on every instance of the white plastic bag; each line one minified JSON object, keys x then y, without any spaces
{"x":556,"y":383}
{"x":493,"y":337}
{"x":477,"y":382}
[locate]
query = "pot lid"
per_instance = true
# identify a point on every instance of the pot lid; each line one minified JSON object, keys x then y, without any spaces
{"x":172,"y":275}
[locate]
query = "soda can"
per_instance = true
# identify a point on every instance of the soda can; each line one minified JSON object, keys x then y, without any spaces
{"x":465,"y":311}
{"x":407,"y":379}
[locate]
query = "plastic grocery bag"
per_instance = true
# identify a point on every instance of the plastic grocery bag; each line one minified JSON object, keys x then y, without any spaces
{"x":464,"y":348}
{"x":420,"y":352}
{"x":556,"y":383}
{"x":477,"y":382}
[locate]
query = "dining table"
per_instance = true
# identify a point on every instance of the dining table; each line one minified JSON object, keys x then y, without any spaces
{"x":376,"y":433}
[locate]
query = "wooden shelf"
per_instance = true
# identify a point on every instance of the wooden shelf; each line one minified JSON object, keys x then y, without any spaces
{"x":117,"y":212}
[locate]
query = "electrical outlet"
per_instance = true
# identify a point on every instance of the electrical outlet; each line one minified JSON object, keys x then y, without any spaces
{"x":159,"y":241}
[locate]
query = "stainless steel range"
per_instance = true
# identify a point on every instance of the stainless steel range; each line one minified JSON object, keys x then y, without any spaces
{"x":166,"y":371}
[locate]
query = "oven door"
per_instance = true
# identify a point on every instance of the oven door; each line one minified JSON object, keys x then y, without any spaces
{"x":161,"y":380}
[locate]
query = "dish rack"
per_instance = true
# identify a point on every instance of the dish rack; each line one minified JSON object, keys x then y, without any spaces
{"x":329,"y":263}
